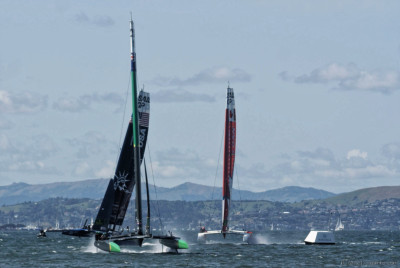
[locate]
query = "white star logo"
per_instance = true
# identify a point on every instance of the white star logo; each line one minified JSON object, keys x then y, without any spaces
{"x":120,"y":182}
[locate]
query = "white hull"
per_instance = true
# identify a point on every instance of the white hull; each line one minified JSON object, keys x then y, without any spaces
{"x":202,"y":237}
{"x":320,"y":238}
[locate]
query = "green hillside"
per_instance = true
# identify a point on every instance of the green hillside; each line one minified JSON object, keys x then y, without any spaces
{"x":367,"y":195}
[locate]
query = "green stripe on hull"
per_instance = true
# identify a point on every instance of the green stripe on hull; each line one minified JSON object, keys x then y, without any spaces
{"x":114,"y":247}
{"x":182,"y":244}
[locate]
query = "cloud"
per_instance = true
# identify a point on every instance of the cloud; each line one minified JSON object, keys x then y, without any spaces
{"x":182,"y":166}
{"x":356,"y":153}
{"x":107,"y":170}
{"x":391,"y":154}
{"x":180,"y":95}
{"x":22,"y":103}
{"x":208,"y":76}
{"x":70,"y":105}
{"x":391,"y":151}
{"x":5,"y":144}
{"x":349,"y":77}
{"x":43,"y":146}
{"x":26,"y":166}
{"x":28,"y":156}
{"x":88,"y":144}
{"x":84,"y":102}
{"x":319,"y":168}
{"x":6,"y":124}
{"x":82,"y":169}
{"x":98,"y":20}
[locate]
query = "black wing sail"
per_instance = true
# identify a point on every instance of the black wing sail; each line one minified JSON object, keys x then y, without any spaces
{"x":119,"y":191}
{"x":119,"y":187}
{"x":103,"y":216}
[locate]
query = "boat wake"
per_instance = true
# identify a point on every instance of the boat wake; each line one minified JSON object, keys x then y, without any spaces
{"x":90,"y":248}
{"x":258,"y":239}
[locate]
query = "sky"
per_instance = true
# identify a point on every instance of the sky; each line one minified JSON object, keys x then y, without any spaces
{"x":316,"y":86}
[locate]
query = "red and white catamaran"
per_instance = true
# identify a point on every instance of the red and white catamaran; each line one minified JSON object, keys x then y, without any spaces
{"x":229,"y":163}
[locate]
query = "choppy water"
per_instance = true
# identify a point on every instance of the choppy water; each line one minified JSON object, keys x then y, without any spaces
{"x":275,"y":249}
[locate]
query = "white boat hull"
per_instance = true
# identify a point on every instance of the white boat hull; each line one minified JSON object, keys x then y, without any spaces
{"x":320,"y":238}
{"x":247,"y":236}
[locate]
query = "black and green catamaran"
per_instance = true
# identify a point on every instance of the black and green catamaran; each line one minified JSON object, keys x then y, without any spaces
{"x":110,"y":234}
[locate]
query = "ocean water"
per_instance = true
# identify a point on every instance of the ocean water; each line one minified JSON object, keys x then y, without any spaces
{"x":273,"y":249}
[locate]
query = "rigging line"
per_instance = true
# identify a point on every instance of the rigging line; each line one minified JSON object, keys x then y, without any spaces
{"x":121,"y":133}
{"x":157,"y":207}
{"x":240,"y":191}
{"x":212,"y":211}
{"x":123,"y":117}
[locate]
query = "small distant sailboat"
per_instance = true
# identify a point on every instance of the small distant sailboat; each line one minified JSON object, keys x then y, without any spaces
{"x":229,"y":162}
{"x":55,"y":229}
{"x":339,"y":225}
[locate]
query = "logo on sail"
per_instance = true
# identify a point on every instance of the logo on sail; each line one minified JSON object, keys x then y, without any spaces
{"x":120,"y":182}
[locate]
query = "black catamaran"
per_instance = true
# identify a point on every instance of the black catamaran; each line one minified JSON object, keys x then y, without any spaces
{"x":229,"y":162}
{"x":108,"y":224}
{"x":85,"y":231}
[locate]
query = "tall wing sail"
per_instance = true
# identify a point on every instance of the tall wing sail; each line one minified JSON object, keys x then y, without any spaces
{"x":103,"y":216}
{"x":120,"y":186}
{"x":143,"y":103}
{"x":119,"y":191}
{"x":229,"y":158}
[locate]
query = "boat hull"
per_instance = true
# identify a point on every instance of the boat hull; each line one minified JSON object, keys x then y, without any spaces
{"x":78,"y":232}
{"x":114,"y":243}
{"x":172,"y":242}
{"x":247,"y":235}
{"x":320,"y":238}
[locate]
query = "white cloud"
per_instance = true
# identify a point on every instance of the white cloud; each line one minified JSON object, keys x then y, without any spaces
{"x":84,"y":102}
{"x":320,"y":169}
{"x":180,"y":95}
{"x":22,"y":103}
{"x":391,"y":151}
{"x":107,"y":170}
{"x":70,"y":105}
{"x":350,"y":77}
{"x":26,"y":166}
{"x":97,"y":20}
{"x":182,"y":166}
{"x":88,"y":144}
{"x":168,"y":171}
{"x":82,"y":168}
{"x":208,"y":76}
{"x":32,"y":156}
{"x":356,"y":153}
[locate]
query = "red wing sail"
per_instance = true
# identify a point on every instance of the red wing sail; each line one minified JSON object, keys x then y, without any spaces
{"x":229,"y":158}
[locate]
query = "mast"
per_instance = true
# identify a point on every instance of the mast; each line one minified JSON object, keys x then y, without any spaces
{"x":229,"y":158}
{"x":136,"y":147}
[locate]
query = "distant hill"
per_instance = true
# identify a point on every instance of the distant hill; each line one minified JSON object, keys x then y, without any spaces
{"x":22,"y":192}
{"x":367,"y":195}
{"x":94,"y":189}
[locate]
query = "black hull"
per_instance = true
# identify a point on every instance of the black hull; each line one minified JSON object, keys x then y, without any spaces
{"x":129,"y":242}
{"x":124,"y":241}
{"x":309,"y":243}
